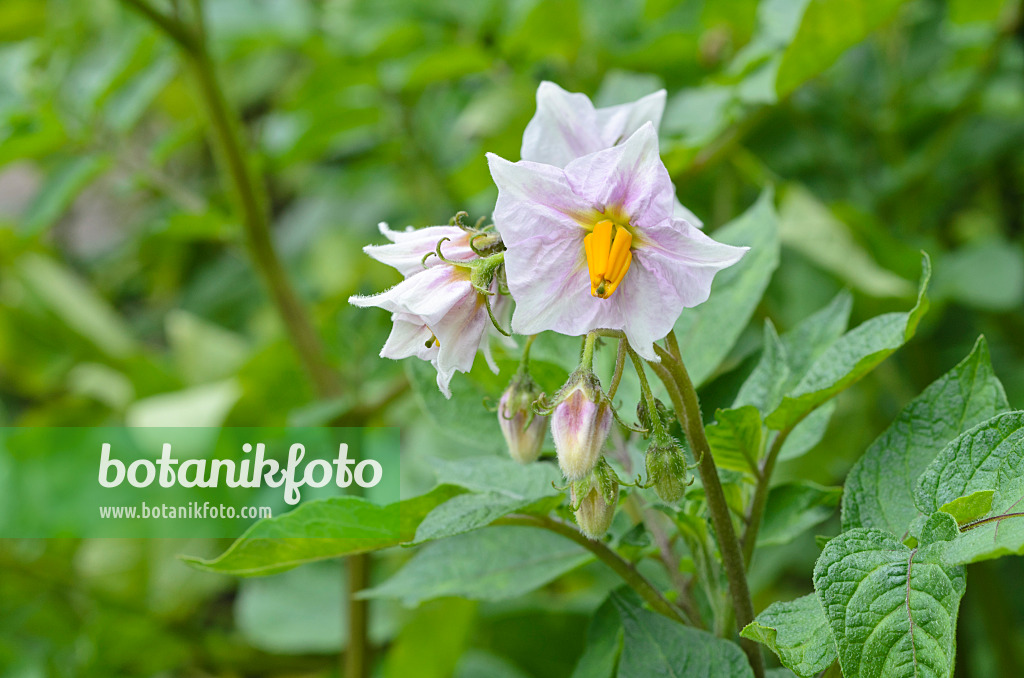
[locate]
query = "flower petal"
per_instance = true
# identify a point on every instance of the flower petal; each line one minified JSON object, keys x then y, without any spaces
{"x":564,"y":127}
{"x":408,"y":248}
{"x":429,"y":294}
{"x":629,"y":178}
{"x":408,"y":338}
{"x":535,"y":199}
{"x":618,"y":123}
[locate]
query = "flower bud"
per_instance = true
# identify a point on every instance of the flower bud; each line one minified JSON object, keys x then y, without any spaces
{"x":580,"y":424}
{"x":596,"y":498}
{"x":523,"y":429}
{"x":666,"y":470}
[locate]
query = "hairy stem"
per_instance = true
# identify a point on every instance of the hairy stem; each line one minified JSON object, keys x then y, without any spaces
{"x":620,"y":363}
{"x":606,"y":555}
{"x":687,"y":406}
{"x":756,"y":513}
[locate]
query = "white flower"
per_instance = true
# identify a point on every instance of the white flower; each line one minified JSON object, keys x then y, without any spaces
{"x":596,"y":246}
{"x":566,"y":126}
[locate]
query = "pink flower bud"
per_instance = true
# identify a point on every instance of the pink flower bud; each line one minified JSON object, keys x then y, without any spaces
{"x":523,"y":428}
{"x":600,"y":496}
{"x":580,"y":425}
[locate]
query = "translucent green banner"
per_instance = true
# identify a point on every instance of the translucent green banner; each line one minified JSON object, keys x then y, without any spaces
{"x":184,"y":482}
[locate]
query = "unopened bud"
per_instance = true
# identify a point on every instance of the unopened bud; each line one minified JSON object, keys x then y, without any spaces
{"x":522,"y":427}
{"x":666,"y":470}
{"x":580,"y":424}
{"x":596,"y":498}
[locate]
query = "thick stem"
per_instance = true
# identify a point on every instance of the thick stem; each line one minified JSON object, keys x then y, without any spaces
{"x":687,"y":407}
{"x":620,"y":363}
{"x":587,"y":359}
{"x":606,"y":555}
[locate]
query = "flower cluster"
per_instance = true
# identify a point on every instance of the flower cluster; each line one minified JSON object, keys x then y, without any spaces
{"x":587,"y":235}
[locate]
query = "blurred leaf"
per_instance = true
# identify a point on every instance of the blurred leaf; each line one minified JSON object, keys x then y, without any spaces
{"x":495,"y":563}
{"x":988,"y":275}
{"x":203,"y":351}
{"x":708,"y":332}
{"x":60,"y":190}
{"x":892,"y":610}
{"x":329,"y":528}
{"x":126,"y":106}
{"x":76,"y":304}
{"x":430,"y":644}
{"x":478,"y":664}
{"x":795,"y":507}
{"x":810,"y":228}
{"x":201,"y":406}
{"x":103,"y":383}
{"x":656,"y":646}
{"x":880,"y":486}
{"x":976,"y":11}
{"x":808,"y":432}
{"x":855,"y":354}
{"x":829,"y":28}
{"x":735,"y":439}
{"x":798,"y":633}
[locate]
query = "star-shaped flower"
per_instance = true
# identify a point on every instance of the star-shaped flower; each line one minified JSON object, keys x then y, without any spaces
{"x":567,"y":126}
{"x":596,"y":246}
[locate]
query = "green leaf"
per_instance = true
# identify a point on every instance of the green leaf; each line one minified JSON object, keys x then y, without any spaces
{"x":976,"y":460}
{"x":735,"y":439}
{"x":765,"y":386}
{"x":794,"y":508}
{"x":656,"y":646}
{"x":75,"y":302}
{"x":808,"y":432}
{"x":500,"y":475}
{"x":892,"y":610}
{"x":327,"y":528}
{"x":828,"y":28}
{"x":708,"y":332}
{"x":463,"y":418}
{"x":805,"y":343}
{"x":496,"y":563}
{"x":880,"y":487}
{"x":809,"y":227}
{"x":604,"y":644}
{"x":798,"y":633}
{"x":468,"y":512}
{"x":851,"y":357}
{"x":969,"y":508}
{"x":430,"y":644}
{"x":61,"y":188}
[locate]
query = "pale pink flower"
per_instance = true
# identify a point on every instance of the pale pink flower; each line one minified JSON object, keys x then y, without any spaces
{"x":567,"y":126}
{"x":580,"y":424}
{"x":407,"y":248}
{"x":596,"y":246}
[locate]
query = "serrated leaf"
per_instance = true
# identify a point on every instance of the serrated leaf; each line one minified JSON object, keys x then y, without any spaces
{"x":972,"y":507}
{"x":851,"y":357}
{"x":892,"y":609}
{"x":880,"y":487}
{"x":708,"y":332}
{"x":656,"y":646}
{"x":798,"y":633}
{"x":828,"y":28}
{"x":735,"y":439}
{"x":327,"y":528}
{"x":972,"y":462}
{"x":496,"y":563}
{"x":766,"y":385}
{"x":794,"y":508}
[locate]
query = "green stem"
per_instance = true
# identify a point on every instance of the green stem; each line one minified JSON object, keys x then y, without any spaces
{"x":620,"y":364}
{"x":524,"y":362}
{"x":606,"y":555}
{"x":645,"y":390}
{"x":587,"y":360}
{"x":687,"y":406}
{"x":756,"y":514}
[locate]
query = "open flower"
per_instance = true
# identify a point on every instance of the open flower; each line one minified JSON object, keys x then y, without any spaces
{"x":438,"y":316}
{"x":408,"y":248}
{"x":595,"y":245}
{"x":566,"y":126}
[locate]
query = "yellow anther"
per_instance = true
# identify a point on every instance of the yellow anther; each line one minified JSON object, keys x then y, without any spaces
{"x":608,"y":257}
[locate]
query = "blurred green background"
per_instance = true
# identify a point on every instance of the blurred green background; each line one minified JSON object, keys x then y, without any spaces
{"x":128,"y":296}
